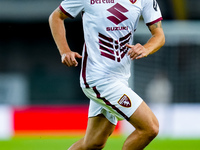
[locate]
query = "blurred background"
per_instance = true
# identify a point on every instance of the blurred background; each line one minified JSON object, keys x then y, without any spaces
{"x":31,"y":72}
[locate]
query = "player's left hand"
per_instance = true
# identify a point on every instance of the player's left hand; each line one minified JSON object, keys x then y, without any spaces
{"x":137,"y":51}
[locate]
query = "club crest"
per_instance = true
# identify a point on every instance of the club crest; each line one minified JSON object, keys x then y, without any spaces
{"x":133,"y":1}
{"x":125,"y":101}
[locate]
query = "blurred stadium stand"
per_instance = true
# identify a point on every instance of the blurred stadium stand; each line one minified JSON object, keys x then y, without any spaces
{"x":27,"y":48}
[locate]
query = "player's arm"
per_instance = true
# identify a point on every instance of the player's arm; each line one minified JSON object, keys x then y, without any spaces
{"x":158,"y":38}
{"x":56,"y":22}
{"x":156,"y":41}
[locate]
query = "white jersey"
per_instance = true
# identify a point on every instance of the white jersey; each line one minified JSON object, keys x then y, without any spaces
{"x":108,"y":25}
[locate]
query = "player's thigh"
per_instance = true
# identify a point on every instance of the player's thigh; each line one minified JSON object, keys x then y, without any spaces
{"x":143,"y":118}
{"x":98,"y":130}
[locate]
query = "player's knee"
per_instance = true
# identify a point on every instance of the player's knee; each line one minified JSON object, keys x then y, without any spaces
{"x":94,"y":145}
{"x":149,"y":132}
{"x":98,"y":146}
{"x":153,"y":130}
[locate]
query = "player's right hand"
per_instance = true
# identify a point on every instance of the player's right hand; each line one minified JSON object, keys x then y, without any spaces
{"x":69,"y":58}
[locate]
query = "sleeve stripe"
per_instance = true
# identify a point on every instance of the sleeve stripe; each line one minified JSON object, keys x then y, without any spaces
{"x":66,"y":13}
{"x":155,"y":21}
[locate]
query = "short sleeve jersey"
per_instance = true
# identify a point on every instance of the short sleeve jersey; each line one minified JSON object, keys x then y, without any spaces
{"x":108,"y":26}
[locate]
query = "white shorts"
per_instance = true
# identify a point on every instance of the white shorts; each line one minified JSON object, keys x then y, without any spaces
{"x":112,"y":98}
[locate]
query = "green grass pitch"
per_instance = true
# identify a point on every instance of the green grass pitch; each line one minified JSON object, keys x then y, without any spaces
{"x":114,"y":143}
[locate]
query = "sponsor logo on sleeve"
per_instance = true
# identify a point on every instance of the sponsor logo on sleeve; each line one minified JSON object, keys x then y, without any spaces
{"x":155,"y":5}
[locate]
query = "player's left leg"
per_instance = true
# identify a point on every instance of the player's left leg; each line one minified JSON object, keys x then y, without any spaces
{"x":146,"y":128}
{"x":97,"y":133}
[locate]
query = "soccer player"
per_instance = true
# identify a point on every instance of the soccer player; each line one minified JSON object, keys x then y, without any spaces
{"x":109,"y":27}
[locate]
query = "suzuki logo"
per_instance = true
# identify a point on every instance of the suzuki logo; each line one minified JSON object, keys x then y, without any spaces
{"x":117,"y":11}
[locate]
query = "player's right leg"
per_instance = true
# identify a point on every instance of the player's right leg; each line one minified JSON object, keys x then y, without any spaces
{"x":97,"y":133}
